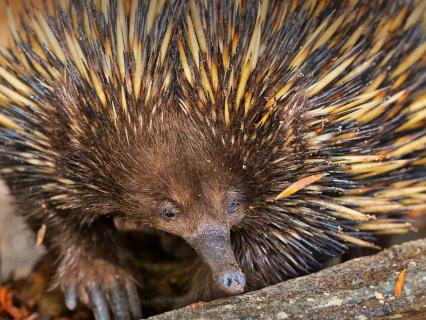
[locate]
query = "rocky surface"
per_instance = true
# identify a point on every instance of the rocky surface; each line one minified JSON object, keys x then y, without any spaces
{"x":363,"y":288}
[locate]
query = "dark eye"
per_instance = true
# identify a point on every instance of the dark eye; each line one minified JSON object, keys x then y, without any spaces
{"x":232,"y":206}
{"x":168,"y":212}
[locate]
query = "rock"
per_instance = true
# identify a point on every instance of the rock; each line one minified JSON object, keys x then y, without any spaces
{"x":362,"y":288}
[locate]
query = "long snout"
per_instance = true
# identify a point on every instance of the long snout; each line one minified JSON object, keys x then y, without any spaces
{"x":213,"y":244}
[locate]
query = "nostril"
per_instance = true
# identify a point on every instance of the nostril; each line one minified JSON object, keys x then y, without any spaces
{"x":232,"y":282}
{"x":228,"y":281}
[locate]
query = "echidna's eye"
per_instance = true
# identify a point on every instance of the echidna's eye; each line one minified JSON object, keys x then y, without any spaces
{"x":168,"y":212}
{"x":232,"y":206}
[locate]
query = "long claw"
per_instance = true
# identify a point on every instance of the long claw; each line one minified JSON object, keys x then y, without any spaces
{"x":70,"y":294}
{"x":99,"y":304}
{"x":134,"y":302}
{"x":119,"y":304}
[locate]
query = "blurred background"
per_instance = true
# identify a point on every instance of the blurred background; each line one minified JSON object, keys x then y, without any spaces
{"x":17,"y":246}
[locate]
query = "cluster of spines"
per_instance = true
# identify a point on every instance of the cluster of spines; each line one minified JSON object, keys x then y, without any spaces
{"x":355,"y":74}
{"x":105,"y":57}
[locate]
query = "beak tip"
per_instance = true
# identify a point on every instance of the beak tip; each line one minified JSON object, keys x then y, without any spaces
{"x":232,"y":281}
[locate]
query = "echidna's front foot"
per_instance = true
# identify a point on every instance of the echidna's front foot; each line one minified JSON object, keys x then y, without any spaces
{"x":105,"y":287}
{"x":122,"y":300}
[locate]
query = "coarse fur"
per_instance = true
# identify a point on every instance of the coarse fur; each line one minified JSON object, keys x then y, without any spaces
{"x":308,"y":116}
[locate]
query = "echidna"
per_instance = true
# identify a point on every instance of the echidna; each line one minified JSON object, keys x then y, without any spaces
{"x":270,"y":135}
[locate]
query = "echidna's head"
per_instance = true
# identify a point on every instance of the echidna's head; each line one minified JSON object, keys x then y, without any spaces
{"x":184,"y":181}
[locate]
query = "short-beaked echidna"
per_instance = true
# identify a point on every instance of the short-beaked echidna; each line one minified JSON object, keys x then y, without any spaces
{"x":270,"y":135}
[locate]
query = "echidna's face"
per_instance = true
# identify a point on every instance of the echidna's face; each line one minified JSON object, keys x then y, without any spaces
{"x":186,"y":190}
{"x":204,"y":221}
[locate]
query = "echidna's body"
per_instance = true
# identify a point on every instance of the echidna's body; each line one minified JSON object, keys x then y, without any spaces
{"x":294,"y":124}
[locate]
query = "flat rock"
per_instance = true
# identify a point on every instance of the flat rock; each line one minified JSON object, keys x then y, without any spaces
{"x":361,"y":289}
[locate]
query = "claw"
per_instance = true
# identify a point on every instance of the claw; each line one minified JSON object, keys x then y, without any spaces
{"x":99,"y":304}
{"x":119,"y":303}
{"x":70,"y":294}
{"x":134,"y":302}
